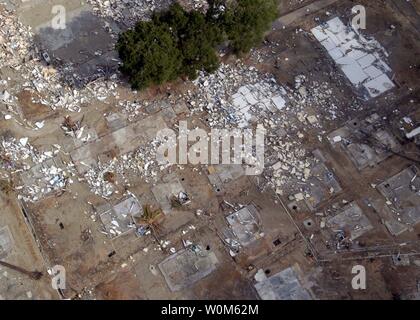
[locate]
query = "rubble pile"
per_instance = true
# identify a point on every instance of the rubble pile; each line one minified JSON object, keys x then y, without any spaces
{"x":240,"y":96}
{"x":127,"y":12}
{"x":16,"y":51}
{"x":56,"y":95}
{"x":53,"y":180}
{"x":215,"y":90}
{"x":292,"y":162}
{"x":132,"y":109}
{"x":17,"y":154}
{"x":95,"y":177}
{"x":219,"y":96}
{"x":48,"y":90}
{"x":359,"y":58}
{"x":17,"y":151}
{"x":293,"y":165}
{"x":13,"y":45}
{"x":141,"y":162}
{"x":38,"y":170}
{"x":319,"y":96}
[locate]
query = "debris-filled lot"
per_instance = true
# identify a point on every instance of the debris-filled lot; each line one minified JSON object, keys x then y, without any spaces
{"x":81,"y":186}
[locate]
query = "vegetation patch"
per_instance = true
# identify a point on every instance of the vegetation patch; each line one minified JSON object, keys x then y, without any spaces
{"x":176,"y":43}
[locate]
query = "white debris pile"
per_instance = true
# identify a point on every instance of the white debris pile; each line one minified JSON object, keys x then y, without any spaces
{"x":13,"y":153}
{"x":16,"y":52}
{"x":128,"y":12}
{"x":38,"y":170}
{"x":142,"y":163}
{"x":52,"y":179}
{"x":288,"y":158}
{"x":55,"y":95}
{"x":293,"y":165}
{"x":240,"y":96}
{"x":252,"y":99}
{"x":319,"y":96}
{"x":133,"y":109}
{"x":219,"y":95}
{"x":95,"y":177}
{"x":52,"y":94}
{"x":13,"y":45}
{"x":101,"y":90}
{"x":359,"y":58}
{"x":236,"y":96}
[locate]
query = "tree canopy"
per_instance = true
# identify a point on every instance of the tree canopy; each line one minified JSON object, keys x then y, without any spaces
{"x":150,"y":55}
{"x":247,"y":21}
{"x":178,"y":43}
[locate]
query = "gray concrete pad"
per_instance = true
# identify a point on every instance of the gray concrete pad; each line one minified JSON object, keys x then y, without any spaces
{"x":118,"y":219}
{"x":351,"y":220}
{"x":282,"y":286}
{"x":245,"y":225}
{"x":321,"y":186}
{"x":403,"y":191}
{"x":165,"y":191}
{"x":186,"y":267}
{"x":366,"y":141}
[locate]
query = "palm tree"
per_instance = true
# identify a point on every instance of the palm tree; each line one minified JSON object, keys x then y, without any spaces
{"x":151,"y":219}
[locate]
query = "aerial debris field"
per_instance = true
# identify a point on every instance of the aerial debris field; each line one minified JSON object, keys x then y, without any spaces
{"x":82,"y":188}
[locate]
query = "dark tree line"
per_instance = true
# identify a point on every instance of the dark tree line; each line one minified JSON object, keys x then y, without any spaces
{"x":177,"y":43}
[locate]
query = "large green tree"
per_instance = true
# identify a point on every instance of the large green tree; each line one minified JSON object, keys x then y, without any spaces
{"x":150,"y":55}
{"x":178,"y":43}
{"x":196,"y":38}
{"x":246,"y":21}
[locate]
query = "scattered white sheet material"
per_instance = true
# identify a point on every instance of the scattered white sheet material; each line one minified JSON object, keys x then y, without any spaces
{"x":358,"y":58}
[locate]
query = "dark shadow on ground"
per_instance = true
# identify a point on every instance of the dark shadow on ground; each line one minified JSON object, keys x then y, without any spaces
{"x":83,"y":51}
